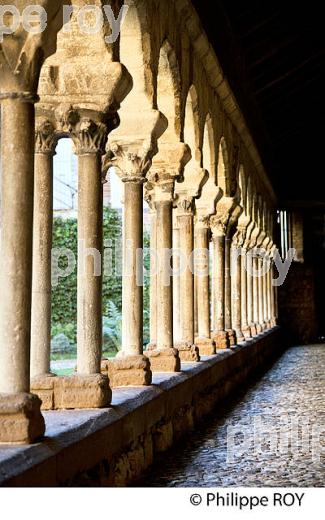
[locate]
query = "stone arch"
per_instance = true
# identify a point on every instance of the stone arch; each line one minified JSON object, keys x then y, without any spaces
{"x":249,"y":197}
{"x":168,"y":91}
{"x":242,"y":188}
{"x":135,"y":54}
{"x":192,"y":125}
{"x":223,"y":168}
{"x":208,"y":148}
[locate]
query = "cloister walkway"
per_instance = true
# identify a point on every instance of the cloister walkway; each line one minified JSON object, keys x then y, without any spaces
{"x":289,"y":399}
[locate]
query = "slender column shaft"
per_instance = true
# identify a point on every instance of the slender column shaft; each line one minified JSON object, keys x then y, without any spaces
{"x":153,"y":277}
{"x":272,"y":292}
{"x":186,"y":279}
{"x":42,"y":247}
{"x":164,"y":278}
{"x":250,"y":300}
{"x":244,"y":290}
{"x":90,"y":248}
{"x":17,"y":179}
{"x":265,"y":298}
{"x":219,"y":273}
{"x":176,"y":284}
{"x":132,"y":291}
{"x":255,"y":290}
{"x":236,"y":291}
{"x":203,"y":285}
{"x":228,"y":320}
{"x":260,"y":292}
{"x":268,"y":280}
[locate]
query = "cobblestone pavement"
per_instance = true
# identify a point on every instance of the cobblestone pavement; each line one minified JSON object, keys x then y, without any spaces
{"x":287,"y":403}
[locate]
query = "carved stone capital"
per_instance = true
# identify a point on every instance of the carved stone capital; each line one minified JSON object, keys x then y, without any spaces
{"x":239,"y":238}
{"x":89,"y":137}
{"x":185,"y":206}
{"x":219,"y":224}
{"x":202,"y":221}
{"x":131,"y":163}
{"x":45,"y":137}
{"x":160,"y":186}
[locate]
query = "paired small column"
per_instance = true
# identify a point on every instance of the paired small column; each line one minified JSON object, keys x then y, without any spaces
{"x":163,"y":356}
{"x":236,"y":281}
{"x":250,"y":293}
{"x":228,"y":287}
{"x":131,"y":367}
{"x":245,"y":298}
{"x":17,"y":184}
{"x":45,"y":144}
{"x":153,"y":275}
{"x":176,"y":279}
{"x":187,"y":349}
{"x":202,"y":262}
{"x":89,"y":388}
{"x":219,"y":242}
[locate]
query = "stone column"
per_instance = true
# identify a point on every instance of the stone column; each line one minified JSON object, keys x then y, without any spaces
{"x":163,"y":357}
{"x":255,"y":271}
{"x":45,"y":144}
{"x":89,"y":389}
{"x":228,"y":301}
{"x":187,"y":350}
{"x":245,"y":302}
{"x":250,"y":299}
{"x":176,"y":279}
{"x":260,"y":295}
{"x":131,"y":367}
{"x":219,"y":237}
{"x":20,"y":417}
{"x":268,"y":290}
{"x":236,"y":280}
{"x":153,"y":276}
{"x":203,"y":341}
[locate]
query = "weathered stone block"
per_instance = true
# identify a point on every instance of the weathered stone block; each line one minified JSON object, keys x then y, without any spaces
{"x":247,"y":332}
{"x":21,"y":421}
{"x":188,"y":353}
{"x":43,"y":387}
{"x":206,"y":346}
{"x":129,"y":371}
{"x":232,"y":337}
{"x":78,"y":391}
{"x":164,"y":360}
{"x":221,"y":340}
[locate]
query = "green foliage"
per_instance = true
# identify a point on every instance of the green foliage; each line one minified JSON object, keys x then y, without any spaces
{"x":64,"y":295}
{"x":112,"y":328}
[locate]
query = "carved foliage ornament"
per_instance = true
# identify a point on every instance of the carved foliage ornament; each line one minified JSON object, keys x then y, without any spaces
{"x":89,"y":137}
{"x":131,"y":166}
{"x":45,"y":137}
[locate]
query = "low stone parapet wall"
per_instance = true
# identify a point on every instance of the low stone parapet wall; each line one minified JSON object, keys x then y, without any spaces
{"x":114,"y":446}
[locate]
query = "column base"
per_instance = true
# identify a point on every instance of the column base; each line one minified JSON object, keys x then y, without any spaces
{"x":82,"y":392}
{"x":247,"y":332}
{"x":206,"y":346}
{"x":221,"y":340}
{"x":253,"y":330}
{"x":259,"y":328}
{"x":188,"y":352}
{"x":21,"y":421}
{"x":128,"y":371}
{"x":43,"y":387}
{"x":274,"y":322}
{"x":164,"y":359}
{"x":240,"y":338}
{"x":232,"y":337}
